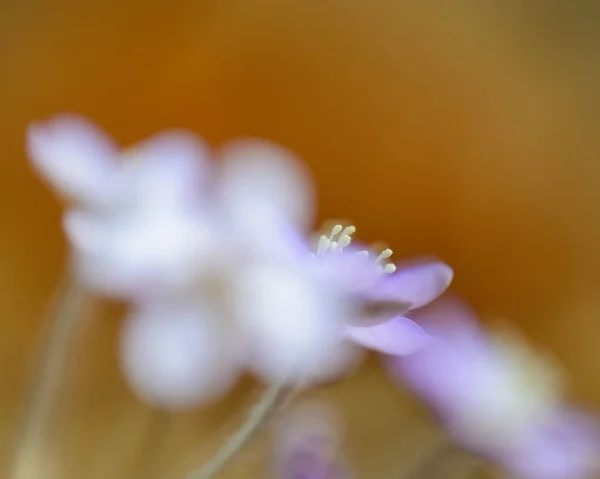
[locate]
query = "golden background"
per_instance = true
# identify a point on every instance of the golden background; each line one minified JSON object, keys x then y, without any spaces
{"x":465,"y":131}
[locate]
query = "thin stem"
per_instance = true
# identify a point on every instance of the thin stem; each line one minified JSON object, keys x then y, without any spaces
{"x":270,"y":402}
{"x":159,"y":427}
{"x":427,"y":467}
{"x":48,"y":368}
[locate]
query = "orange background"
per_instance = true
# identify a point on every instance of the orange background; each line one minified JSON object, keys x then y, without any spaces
{"x":467,"y":132}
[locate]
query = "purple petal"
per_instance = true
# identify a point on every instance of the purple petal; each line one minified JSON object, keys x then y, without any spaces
{"x":308,"y":444}
{"x":398,"y":337}
{"x":566,"y":449}
{"x":417,"y":285}
{"x":74,"y":156}
{"x":352,"y":273}
{"x":448,"y":317}
{"x":446,"y":372}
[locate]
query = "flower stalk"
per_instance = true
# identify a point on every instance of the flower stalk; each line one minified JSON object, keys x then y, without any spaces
{"x":69,"y":305}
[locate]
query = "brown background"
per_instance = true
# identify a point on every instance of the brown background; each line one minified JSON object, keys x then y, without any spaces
{"x":468,"y":132}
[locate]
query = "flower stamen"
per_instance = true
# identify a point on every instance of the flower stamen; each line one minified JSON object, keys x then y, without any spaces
{"x":341,"y":237}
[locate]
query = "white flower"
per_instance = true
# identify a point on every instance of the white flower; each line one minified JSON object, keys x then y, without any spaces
{"x":75,"y":157}
{"x":140,"y":225}
{"x":215,"y":262}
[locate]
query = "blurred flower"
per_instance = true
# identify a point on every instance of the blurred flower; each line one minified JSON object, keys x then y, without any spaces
{"x":179,"y":238}
{"x":158,"y":226}
{"x":75,"y":157}
{"x":308,"y":444}
{"x":138,"y":225}
{"x":566,"y":446}
{"x":496,"y":397}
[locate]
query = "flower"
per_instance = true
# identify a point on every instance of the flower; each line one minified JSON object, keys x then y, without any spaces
{"x":307,"y":445}
{"x":291,"y":317}
{"x":219,"y":251}
{"x":395,"y":292}
{"x":138,"y":225}
{"x":496,"y":397}
{"x":168,"y":232}
{"x":566,"y":446}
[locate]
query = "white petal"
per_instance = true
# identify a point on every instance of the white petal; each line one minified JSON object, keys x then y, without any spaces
{"x":294,"y":328}
{"x":261,"y":182}
{"x":134,"y":257}
{"x":74,"y":156}
{"x":87,"y":231}
{"x":176,"y":357}
{"x":170,"y":169}
{"x":91,"y":236}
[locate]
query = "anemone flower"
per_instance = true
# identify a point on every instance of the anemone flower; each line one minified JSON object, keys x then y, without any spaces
{"x":135,"y":217}
{"x":308,"y":445}
{"x":496,"y":397}
{"x":220,"y":253}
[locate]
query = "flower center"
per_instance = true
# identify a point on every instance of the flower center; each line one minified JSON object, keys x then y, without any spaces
{"x":340,"y":237}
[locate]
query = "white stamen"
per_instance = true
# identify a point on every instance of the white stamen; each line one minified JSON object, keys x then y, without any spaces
{"x":389,"y":268}
{"x":341,"y":237}
{"x":349,"y":230}
{"x":344,"y":241}
{"x":335,"y":231}
{"x":323,"y":245}
{"x":386,"y":253}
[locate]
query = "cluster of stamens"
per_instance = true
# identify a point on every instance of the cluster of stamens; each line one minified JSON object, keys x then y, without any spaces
{"x":340,"y":238}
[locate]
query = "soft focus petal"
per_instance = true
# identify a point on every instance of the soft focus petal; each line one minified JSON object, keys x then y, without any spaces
{"x":399,"y":336}
{"x":566,"y":448}
{"x":168,"y":170}
{"x":138,"y":256}
{"x":416,"y":284}
{"x":75,"y":157}
{"x":440,"y":373}
{"x":469,"y":389}
{"x":261,"y":182}
{"x":308,"y":445}
{"x":448,"y":317}
{"x":451,"y":370}
{"x":176,"y":357}
{"x":483,"y":393}
{"x":91,"y":236}
{"x":293,"y":326}
{"x":86,"y":231}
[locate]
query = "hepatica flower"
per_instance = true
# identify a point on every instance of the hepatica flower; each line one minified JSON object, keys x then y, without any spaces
{"x":215,"y":263}
{"x":135,"y":221}
{"x":337,"y":292}
{"x":308,"y":445}
{"x":497,"y":397}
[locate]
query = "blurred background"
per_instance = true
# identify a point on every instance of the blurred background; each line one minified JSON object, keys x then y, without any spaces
{"x":464,"y":129}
